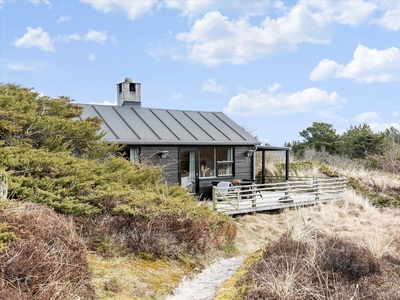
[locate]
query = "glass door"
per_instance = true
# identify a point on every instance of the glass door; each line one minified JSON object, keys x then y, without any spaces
{"x":187,"y":168}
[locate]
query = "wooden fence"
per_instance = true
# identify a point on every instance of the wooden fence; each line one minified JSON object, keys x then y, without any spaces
{"x":251,"y":197}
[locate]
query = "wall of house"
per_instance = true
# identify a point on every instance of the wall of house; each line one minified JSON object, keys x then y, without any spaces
{"x":243,"y":167}
{"x":243,"y":170}
{"x":170,"y":163}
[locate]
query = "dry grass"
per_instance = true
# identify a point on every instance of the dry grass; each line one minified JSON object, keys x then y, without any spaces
{"x":354,"y":222}
{"x":354,"y":217}
{"x":331,"y":267}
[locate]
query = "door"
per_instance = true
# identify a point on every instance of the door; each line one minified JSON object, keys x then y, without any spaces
{"x":188,"y":173}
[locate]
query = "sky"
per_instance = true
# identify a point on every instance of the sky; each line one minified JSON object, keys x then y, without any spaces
{"x":274,"y":67}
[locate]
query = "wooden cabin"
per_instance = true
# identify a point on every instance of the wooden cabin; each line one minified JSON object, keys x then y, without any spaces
{"x":196,"y":148}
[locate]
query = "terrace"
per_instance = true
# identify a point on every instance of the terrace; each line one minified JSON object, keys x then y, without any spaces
{"x":245,"y":197}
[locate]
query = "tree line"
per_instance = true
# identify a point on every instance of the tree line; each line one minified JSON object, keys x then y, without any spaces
{"x":357,"y":142}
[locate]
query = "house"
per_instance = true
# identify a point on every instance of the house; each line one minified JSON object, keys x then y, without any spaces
{"x":196,"y":148}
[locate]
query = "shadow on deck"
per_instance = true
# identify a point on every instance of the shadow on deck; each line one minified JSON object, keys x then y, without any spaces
{"x":271,"y":196}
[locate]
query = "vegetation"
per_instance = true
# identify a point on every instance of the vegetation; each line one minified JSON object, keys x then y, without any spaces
{"x":83,"y":196}
{"x":47,"y":261}
{"x":358,"y":142}
{"x":340,"y":250}
{"x":82,"y":222}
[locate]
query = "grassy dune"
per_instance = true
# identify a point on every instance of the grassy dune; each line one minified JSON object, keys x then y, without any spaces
{"x":348,"y":249}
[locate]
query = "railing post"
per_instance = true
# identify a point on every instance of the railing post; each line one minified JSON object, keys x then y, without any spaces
{"x":214,"y":197}
{"x":316,"y":187}
{"x":287,"y":189}
{"x":238,"y":198}
{"x":253,"y":195}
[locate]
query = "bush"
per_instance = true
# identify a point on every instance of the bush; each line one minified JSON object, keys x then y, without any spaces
{"x":49,"y":261}
{"x":327,"y":268}
{"x":170,"y":234}
{"x":347,"y":259}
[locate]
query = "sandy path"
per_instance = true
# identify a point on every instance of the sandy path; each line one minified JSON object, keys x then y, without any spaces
{"x":204,"y":285}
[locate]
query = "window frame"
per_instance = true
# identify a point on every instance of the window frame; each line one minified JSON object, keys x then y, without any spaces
{"x":217,"y":164}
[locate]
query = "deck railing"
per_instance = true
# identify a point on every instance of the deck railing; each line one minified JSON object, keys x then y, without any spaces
{"x":252,"y":197}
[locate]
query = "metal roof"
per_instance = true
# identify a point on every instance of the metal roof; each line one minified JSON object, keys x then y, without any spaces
{"x":272,"y":148}
{"x":133,"y":125}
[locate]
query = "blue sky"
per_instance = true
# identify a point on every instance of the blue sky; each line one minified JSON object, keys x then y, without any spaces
{"x":272,"y":66}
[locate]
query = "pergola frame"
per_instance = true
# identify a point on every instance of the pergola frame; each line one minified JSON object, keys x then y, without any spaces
{"x":263,"y":149}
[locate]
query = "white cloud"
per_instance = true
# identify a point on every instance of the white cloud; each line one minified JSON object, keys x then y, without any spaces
{"x":275,"y":87}
{"x":254,"y":102}
{"x":22,"y":67}
{"x":325,"y":69}
{"x":379,"y":127}
{"x":194,"y":8}
{"x":395,"y":113}
{"x":35,"y":38}
{"x":92,"y":57}
{"x":215,"y":39}
{"x":36,"y":2}
{"x":62,"y":19}
{"x":391,"y":17}
{"x":352,"y":13}
{"x":133,"y":9}
{"x":67,"y":38}
{"x":176,"y":95}
{"x":191,"y":8}
{"x":212,"y":86}
{"x":98,"y":36}
{"x":366,"y":117}
{"x":105,"y":103}
{"x":367,"y":66}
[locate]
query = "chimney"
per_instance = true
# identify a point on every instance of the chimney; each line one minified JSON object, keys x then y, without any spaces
{"x":128,"y":93}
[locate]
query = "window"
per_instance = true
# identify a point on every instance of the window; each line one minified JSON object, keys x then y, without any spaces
{"x":216,"y":162}
{"x":134,"y":155}
{"x":120,"y":88}
{"x":225,"y":161}
{"x":188,"y":170}
{"x":207,"y":162}
{"x":132,"y":87}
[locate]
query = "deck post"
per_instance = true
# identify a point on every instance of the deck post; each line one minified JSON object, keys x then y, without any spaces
{"x":287,"y":166}
{"x":253,"y":196}
{"x":239,"y":196}
{"x":214,"y":197}
{"x":287,"y":189}
{"x":263,"y":167}
{"x":316,"y":188}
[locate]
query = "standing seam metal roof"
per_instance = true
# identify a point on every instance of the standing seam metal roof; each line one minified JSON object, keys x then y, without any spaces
{"x":139,"y":126}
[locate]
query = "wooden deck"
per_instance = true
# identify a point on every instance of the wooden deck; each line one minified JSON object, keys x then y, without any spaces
{"x":272,"y":196}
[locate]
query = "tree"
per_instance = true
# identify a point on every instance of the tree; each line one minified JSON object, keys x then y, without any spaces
{"x":26,"y":118}
{"x":360,"y":141}
{"x":320,"y":136}
{"x":390,"y":160}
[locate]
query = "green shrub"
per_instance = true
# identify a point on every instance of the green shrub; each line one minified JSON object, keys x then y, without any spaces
{"x":6,"y":236}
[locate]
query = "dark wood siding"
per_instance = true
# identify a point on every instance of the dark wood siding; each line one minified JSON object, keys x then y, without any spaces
{"x":243,"y":164}
{"x":169,"y":164}
{"x":243,"y":169}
